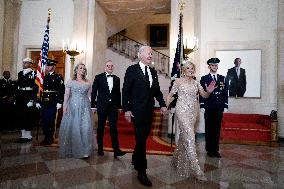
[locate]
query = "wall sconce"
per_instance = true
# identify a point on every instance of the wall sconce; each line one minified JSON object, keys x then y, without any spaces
{"x":72,"y":49}
{"x":191,"y":47}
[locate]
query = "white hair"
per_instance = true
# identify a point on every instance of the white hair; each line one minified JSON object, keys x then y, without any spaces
{"x":141,"y":49}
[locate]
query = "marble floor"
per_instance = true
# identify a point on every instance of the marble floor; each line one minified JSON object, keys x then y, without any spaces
{"x":241,"y":166}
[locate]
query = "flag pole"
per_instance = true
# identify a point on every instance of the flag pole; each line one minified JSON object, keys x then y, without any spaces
{"x":40,"y":84}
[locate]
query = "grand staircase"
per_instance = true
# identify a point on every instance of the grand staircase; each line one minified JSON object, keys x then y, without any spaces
{"x":128,"y":48}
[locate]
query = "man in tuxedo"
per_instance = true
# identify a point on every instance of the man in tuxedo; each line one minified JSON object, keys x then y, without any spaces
{"x":51,"y":101}
{"x":213,"y":107}
{"x":106,"y":97}
{"x":236,"y":79}
{"x":140,"y":87}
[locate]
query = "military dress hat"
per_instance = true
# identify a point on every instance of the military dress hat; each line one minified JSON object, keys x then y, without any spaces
{"x":213,"y":61}
{"x":28,"y":60}
{"x":51,"y":62}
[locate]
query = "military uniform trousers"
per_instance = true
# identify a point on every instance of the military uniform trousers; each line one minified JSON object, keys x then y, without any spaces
{"x":213,"y":118}
{"x":48,"y":122}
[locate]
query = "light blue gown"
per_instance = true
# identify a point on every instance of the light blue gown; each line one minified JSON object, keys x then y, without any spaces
{"x":76,"y":134}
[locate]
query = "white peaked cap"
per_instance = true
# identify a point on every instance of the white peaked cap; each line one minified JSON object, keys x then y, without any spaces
{"x":28,"y":60}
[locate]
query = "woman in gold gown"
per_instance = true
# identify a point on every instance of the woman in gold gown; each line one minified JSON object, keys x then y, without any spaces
{"x":188,"y":89}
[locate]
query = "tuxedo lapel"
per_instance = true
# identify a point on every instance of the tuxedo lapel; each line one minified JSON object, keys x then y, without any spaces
{"x":140,"y":72}
{"x":104,"y":81}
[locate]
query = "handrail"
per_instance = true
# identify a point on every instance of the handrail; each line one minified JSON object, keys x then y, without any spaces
{"x":130,"y":47}
{"x":142,"y":44}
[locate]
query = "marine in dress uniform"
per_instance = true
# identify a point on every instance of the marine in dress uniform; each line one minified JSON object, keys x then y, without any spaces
{"x":214,"y":107}
{"x":26,"y":94}
{"x":7,"y":97}
{"x":51,"y":100}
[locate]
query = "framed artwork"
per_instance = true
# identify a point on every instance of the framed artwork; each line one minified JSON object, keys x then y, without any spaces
{"x":158,"y":35}
{"x":242,"y":69}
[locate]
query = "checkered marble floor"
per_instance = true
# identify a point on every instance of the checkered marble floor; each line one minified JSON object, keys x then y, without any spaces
{"x":241,"y":166}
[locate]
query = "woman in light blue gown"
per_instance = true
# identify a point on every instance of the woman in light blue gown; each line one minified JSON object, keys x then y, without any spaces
{"x":76,"y":134}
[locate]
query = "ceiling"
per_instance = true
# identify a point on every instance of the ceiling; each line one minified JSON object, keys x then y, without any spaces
{"x":134,"y":6}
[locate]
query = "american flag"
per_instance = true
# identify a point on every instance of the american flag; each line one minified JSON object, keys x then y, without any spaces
{"x":43,"y":56}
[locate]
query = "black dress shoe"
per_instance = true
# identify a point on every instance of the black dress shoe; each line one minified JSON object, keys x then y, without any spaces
{"x":45,"y":143}
{"x":210,"y":154}
{"x":144,"y":180}
{"x":217,"y":154}
{"x":101,"y":153}
{"x":118,"y":153}
{"x":24,"y":140}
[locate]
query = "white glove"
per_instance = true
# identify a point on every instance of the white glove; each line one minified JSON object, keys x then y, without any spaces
{"x":202,"y":110}
{"x":30,"y":104}
{"x":226,"y":110}
{"x":38,"y":106}
{"x":58,"y":106}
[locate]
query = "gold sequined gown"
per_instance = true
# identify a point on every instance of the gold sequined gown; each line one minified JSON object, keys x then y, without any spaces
{"x":185,"y":157}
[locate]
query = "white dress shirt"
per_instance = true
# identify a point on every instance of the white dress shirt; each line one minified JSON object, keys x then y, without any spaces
{"x":142,"y":66}
{"x":213,"y":76}
{"x":109,"y":82}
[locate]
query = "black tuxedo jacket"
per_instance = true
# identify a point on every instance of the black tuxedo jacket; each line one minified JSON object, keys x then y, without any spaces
{"x":237,"y":85}
{"x":101,"y":95}
{"x":137,"y":95}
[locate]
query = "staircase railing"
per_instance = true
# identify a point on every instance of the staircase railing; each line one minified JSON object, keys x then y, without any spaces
{"x":129,"y":48}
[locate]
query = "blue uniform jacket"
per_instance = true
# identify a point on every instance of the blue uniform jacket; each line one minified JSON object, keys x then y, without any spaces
{"x":218,"y":99}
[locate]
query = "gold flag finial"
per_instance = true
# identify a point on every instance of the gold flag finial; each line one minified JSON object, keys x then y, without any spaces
{"x":181,"y":5}
{"x":48,"y":14}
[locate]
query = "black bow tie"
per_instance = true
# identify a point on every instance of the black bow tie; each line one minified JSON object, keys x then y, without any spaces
{"x":109,"y":75}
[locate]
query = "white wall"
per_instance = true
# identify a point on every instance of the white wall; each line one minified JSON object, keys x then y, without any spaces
{"x":242,"y":24}
{"x":33,"y":22}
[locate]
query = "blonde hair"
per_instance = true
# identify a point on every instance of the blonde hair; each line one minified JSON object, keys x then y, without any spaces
{"x":76,"y":71}
{"x":187,"y":64}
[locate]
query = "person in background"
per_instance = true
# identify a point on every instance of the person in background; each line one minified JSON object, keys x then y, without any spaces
{"x":106,"y":97}
{"x":213,"y":107}
{"x":7,"y":97}
{"x":26,"y":96}
{"x":236,"y":79}
{"x":76,"y":133}
{"x":140,"y":88}
{"x":51,"y":101}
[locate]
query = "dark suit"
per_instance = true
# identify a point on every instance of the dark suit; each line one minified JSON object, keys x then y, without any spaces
{"x":7,"y":97}
{"x":26,"y":92}
{"x":138,"y":97}
{"x":237,"y":85}
{"x":214,"y":106}
{"x":53,"y":93}
{"x":107,"y":103}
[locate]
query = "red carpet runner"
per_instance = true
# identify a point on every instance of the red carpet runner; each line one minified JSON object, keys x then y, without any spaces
{"x":155,"y":145}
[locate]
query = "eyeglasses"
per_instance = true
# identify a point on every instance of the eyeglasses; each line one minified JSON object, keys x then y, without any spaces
{"x":109,"y":66}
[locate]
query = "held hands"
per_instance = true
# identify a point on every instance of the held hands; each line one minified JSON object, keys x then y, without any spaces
{"x":128,"y":115}
{"x":164,"y":110}
{"x":210,"y":88}
{"x":58,"y":106}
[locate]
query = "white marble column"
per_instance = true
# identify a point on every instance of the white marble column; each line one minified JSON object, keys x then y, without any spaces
{"x":2,"y":10}
{"x":83,"y":32}
{"x":280,"y":68}
{"x":100,"y":40}
{"x":10,"y":36}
